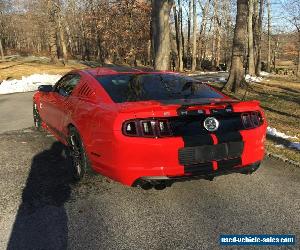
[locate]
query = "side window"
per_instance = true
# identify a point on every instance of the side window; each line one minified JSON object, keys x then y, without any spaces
{"x":61,"y":82}
{"x":66,"y":85}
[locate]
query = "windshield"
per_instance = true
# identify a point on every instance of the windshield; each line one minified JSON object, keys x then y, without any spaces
{"x":144,"y":87}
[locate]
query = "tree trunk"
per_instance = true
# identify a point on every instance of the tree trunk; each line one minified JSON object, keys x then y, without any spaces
{"x":1,"y":50}
{"x":62,"y":42}
{"x":216,"y":50}
{"x":251,"y":65}
{"x":194,"y":51}
{"x":52,"y":44}
{"x":178,"y":37}
{"x":258,"y":38}
{"x":269,"y":37}
{"x":205,"y":10}
{"x":298,"y":65}
{"x":161,"y":33}
{"x":182,"y":35}
{"x":189,"y":33}
{"x":180,"y":54}
{"x":52,"y":15}
{"x":236,"y":74}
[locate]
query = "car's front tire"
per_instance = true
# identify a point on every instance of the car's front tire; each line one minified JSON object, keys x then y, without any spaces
{"x":80,"y":163}
{"x":37,"y":118}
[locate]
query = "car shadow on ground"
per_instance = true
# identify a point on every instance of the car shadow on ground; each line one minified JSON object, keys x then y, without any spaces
{"x":41,"y":221}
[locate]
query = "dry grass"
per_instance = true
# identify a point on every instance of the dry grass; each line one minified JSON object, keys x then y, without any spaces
{"x":15,"y":69}
{"x":280,"y":150}
{"x":280,"y":98}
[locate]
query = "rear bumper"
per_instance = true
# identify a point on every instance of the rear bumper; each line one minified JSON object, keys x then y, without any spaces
{"x":208,"y":174}
{"x":127,"y":159}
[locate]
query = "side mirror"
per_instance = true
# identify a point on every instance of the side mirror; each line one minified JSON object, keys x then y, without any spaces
{"x":45,"y":88}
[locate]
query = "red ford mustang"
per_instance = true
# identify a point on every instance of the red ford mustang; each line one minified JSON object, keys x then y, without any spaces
{"x":150,"y":128}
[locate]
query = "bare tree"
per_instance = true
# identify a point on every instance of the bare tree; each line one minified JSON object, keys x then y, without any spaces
{"x":258,"y":18}
{"x":52,"y":17}
{"x":182,"y":34}
{"x":236,"y":74}
{"x":269,"y":36}
{"x":293,"y":11}
{"x":2,"y":20}
{"x":161,"y":33}
{"x":177,"y":16}
{"x":251,"y":66}
{"x":1,"y":50}
{"x":62,"y":36}
{"x":217,"y":35}
{"x":188,"y":56}
{"x":202,"y":45}
{"x":194,"y":51}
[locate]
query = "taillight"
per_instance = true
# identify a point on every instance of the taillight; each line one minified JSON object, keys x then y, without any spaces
{"x":147,"y":128}
{"x":252,"y":119}
{"x":130,"y":128}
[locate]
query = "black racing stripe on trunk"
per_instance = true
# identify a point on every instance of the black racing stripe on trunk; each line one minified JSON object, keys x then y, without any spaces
{"x":229,"y":136}
{"x":197,"y":140}
{"x":202,"y":168}
{"x":229,"y":163}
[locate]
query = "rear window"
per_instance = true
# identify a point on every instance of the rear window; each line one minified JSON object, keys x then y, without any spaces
{"x":144,"y":87}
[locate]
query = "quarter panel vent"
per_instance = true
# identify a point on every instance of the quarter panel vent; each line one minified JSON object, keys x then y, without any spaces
{"x":86,"y":91}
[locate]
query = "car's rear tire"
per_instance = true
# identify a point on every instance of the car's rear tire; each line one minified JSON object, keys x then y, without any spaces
{"x":80,"y":163}
{"x":37,"y":120}
{"x":252,"y":168}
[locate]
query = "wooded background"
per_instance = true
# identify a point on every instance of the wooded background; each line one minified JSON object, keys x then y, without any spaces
{"x":236,"y":35}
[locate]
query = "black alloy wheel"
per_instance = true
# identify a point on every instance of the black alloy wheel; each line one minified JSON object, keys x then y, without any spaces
{"x":36,"y":118}
{"x":80,"y":163}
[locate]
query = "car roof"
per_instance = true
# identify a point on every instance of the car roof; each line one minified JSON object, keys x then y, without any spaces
{"x":116,"y":70}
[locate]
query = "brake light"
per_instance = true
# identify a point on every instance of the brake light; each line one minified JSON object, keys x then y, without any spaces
{"x":147,"y":128}
{"x":252,"y":119}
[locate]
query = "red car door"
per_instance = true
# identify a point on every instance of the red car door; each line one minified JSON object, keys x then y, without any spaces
{"x":55,"y":106}
{"x":66,"y":101}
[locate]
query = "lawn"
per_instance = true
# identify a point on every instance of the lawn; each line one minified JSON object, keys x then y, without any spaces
{"x":280,"y":98}
{"x":16,"y":67}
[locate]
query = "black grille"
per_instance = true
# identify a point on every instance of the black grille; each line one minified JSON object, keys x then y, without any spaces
{"x":207,"y":168}
{"x":207,"y":153}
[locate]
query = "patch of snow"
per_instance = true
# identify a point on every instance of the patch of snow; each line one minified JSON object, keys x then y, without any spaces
{"x":295,"y":145}
{"x":264,"y":73}
{"x":206,"y":73}
{"x":249,"y":78}
{"x":274,"y":132}
{"x":28,"y":83}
